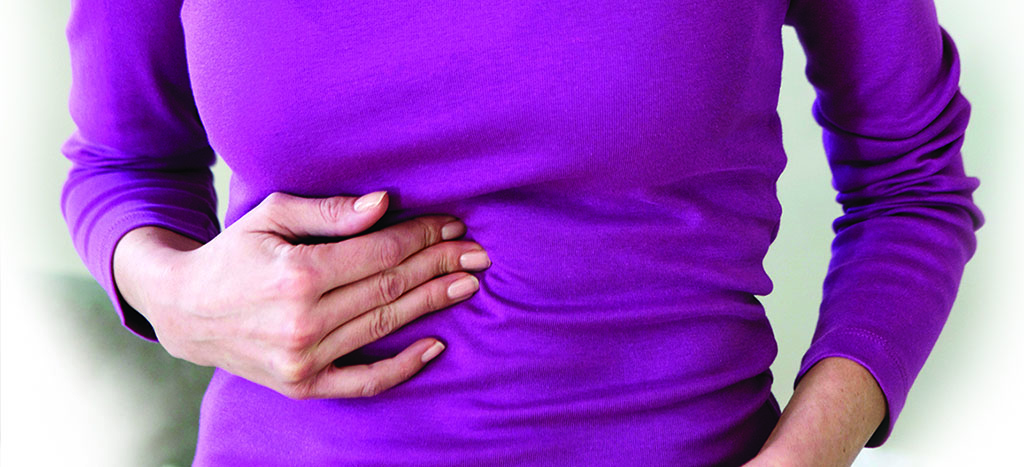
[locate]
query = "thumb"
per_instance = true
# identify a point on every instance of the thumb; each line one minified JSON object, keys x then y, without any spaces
{"x":295,"y":217}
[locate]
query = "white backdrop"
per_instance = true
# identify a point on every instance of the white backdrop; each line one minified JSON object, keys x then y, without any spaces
{"x":62,"y":405}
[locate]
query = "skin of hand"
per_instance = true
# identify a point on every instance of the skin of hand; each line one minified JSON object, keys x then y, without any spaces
{"x":255,"y":302}
{"x":835,"y":409}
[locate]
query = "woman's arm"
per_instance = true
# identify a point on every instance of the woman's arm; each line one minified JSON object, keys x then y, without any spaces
{"x":888,"y":100}
{"x":140,"y":155}
{"x":835,"y":409}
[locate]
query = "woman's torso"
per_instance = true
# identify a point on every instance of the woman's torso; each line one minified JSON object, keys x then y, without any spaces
{"x":616,"y":159}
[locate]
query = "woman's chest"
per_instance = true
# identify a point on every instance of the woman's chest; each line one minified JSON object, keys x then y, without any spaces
{"x":303,"y":93}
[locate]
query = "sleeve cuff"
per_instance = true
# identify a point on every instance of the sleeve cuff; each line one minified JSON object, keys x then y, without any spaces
{"x":872,"y":352}
{"x":130,"y":317}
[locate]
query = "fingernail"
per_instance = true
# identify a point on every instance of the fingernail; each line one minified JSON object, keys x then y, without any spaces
{"x":475,"y":260}
{"x":432,"y":352}
{"x":463,"y":288}
{"x":452,"y":230}
{"x":368,"y":201}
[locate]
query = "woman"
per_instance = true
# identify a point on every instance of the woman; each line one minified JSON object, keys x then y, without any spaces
{"x":574,"y":198}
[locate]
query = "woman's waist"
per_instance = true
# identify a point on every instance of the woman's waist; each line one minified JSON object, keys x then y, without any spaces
{"x":505,"y":365}
{"x":554,"y":352}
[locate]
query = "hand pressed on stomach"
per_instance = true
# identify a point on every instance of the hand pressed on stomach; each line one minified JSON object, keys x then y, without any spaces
{"x":258,"y":304}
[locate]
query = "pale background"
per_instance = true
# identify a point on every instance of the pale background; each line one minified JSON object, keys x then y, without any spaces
{"x":76,"y":389}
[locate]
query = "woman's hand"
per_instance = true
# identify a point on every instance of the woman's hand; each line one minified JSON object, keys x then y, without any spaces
{"x":257,"y":304}
{"x":834,"y":411}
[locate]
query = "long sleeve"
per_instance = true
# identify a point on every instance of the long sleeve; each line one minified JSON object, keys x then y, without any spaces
{"x":893,"y":119}
{"x":140,"y":155}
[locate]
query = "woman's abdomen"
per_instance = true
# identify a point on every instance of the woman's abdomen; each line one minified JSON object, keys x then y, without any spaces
{"x":609,"y":330}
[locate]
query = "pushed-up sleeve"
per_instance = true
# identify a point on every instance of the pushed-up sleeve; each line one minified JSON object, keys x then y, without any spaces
{"x":893,"y":118}
{"x":139,"y":156}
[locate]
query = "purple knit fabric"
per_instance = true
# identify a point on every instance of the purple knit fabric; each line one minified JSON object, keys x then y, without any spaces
{"x":617,"y":160}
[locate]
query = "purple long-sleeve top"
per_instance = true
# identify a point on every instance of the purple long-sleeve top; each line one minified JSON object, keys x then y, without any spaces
{"x":617,"y":160}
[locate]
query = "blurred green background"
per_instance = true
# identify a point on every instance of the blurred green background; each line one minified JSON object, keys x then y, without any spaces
{"x":76,"y":388}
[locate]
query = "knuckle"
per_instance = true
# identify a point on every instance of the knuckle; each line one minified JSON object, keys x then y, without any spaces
{"x":298,"y":333}
{"x":391,"y":285}
{"x":274,"y":202}
{"x":293,"y":369}
{"x":407,"y":371}
{"x":448,"y":261}
{"x":295,"y":280}
{"x":389,"y":251}
{"x":372,"y":387}
{"x":331,"y":209}
{"x":431,"y":232}
{"x":274,"y":199}
{"x":383,"y":320}
{"x":434,"y":301}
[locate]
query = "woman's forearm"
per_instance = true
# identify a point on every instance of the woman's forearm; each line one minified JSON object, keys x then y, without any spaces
{"x":835,"y":409}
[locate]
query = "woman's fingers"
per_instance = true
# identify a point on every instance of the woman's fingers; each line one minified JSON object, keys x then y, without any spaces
{"x":359,"y":257}
{"x":374,"y":378}
{"x":345,"y":303}
{"x":383,"y":320}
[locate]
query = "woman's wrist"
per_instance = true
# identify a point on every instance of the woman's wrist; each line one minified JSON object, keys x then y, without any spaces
{"x":147,"y":262}
{"x":835,"y":409}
